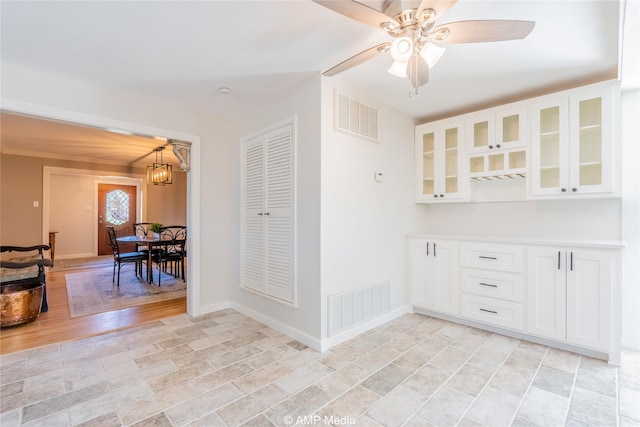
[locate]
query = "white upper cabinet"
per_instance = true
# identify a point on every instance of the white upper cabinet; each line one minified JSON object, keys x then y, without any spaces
{"x":573,"y":143}
{"x":497,"y":141}
{"x":439,"y":155}
{"x":496,"y":129}
{"x":563,"y":145}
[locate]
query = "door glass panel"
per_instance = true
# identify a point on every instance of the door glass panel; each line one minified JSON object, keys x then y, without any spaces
{"x":481,"y":134}
{"x":590,"y":158}
{"x":550,"y":147}
{"x":511,"y":128}
{"x":428,"y":163}
{"x":451,"y":160}
{"x":117,"y":207}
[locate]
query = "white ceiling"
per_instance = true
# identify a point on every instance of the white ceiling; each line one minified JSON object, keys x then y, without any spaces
{"x":182,"y":52}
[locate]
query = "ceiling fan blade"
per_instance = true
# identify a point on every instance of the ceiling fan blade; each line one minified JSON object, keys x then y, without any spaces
{"x":484,"y":31}
{"x":357,"y":11}
{"x":358,"y":59}
{"x":440,"y":6}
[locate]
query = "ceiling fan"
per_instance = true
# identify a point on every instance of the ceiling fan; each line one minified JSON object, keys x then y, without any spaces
{"x":415,"y":46}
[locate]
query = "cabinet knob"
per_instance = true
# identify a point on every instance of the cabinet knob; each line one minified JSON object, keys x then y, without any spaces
{"x":564,"y":190}
{"x":435,"y":195}
{"x":442,"y":195}
{"x":574,"y":189}
{"x":491,"y":147}
{"x":497,"y":145}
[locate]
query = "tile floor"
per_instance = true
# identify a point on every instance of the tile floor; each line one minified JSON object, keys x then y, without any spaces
{"x":225,"y":369}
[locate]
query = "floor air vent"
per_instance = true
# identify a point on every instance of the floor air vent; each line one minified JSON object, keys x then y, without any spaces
{"x":355,"y":118}
{"x":356,"y":306}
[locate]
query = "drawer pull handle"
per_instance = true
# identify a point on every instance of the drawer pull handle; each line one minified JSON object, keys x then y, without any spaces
{"x":487,"y":257}
{"x":488,"y":311}
{"x":488,"y":284}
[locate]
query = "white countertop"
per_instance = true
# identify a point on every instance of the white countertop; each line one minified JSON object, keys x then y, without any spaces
{"x":539,"y":241}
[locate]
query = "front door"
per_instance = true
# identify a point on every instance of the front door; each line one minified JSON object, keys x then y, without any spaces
{"x":116,"y":207}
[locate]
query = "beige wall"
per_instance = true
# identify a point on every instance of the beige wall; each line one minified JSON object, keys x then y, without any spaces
{"x":21,"y":183}
{"x":167,"y":204}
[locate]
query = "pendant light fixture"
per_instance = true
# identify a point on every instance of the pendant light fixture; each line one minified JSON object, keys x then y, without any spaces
{"x":159,"y":173}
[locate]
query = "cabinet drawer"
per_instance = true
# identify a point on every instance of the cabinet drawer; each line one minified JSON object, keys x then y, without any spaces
{"x":492,"y":257}
{"x":492,"y":284}
{"x":488,"y":310}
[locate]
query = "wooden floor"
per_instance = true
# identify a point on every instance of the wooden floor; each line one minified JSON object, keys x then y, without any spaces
{"x":56,"y":326}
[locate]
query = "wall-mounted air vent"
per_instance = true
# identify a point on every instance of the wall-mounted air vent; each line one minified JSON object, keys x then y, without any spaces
{"x":351,"y":308}
{"x":355,"y":118}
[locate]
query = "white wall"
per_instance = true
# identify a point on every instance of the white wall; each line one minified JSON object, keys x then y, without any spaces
{"x":364,"y":222}
{"x":35,"y":91}
{"x":631,"y":219}
{"x":302,"y":101}
{"x":568,"y":219}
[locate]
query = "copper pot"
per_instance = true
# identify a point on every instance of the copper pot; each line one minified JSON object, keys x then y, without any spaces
{"x":20,"y":303}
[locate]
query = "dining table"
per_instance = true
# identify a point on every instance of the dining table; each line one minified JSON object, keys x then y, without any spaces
{"x":147,"y":241}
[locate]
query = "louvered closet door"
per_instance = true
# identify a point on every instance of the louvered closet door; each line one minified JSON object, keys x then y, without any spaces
{"x":268,"y":263}
{"x":279,"y":197}
{"x":254,"y":226}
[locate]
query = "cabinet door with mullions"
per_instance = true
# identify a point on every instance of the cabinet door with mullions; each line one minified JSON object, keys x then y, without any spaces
{"x":573,"y":144}
{"x":439,"y":155}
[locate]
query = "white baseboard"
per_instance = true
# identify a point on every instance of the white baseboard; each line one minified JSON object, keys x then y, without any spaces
{"x":279,"y":326}
{"x":211,"y":308}
{"x":304,"y":338}
{"x":361,"y":328}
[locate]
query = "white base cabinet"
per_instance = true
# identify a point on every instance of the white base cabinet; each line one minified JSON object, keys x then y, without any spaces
{"x":569,"y":295}
{"x":561,"y":293}
{"x":492,"y":284}
{"x":433,"y":267}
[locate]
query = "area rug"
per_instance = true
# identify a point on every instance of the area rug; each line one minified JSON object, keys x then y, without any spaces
{"x":93,"y":292}
{"x":82,"y":263}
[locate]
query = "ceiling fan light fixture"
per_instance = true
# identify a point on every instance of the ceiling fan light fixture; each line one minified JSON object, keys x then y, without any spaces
{"x":432,"y":53}
{"x":402,"y":49}
{"x":398,"y":69}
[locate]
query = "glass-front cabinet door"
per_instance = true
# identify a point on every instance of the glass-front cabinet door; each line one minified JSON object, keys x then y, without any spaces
{"x":439,"y":158}
{"x":500,"y":128}
{"x":428,"y":164}
{"x":590,"y":137}
{"x":550,"y":147}
{"x":572,"y":145}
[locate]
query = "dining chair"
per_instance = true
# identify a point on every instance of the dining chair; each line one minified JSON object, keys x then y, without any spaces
{"x":173,"y":251}
{"x":120,"y":258}
{"x":141,"y":228}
